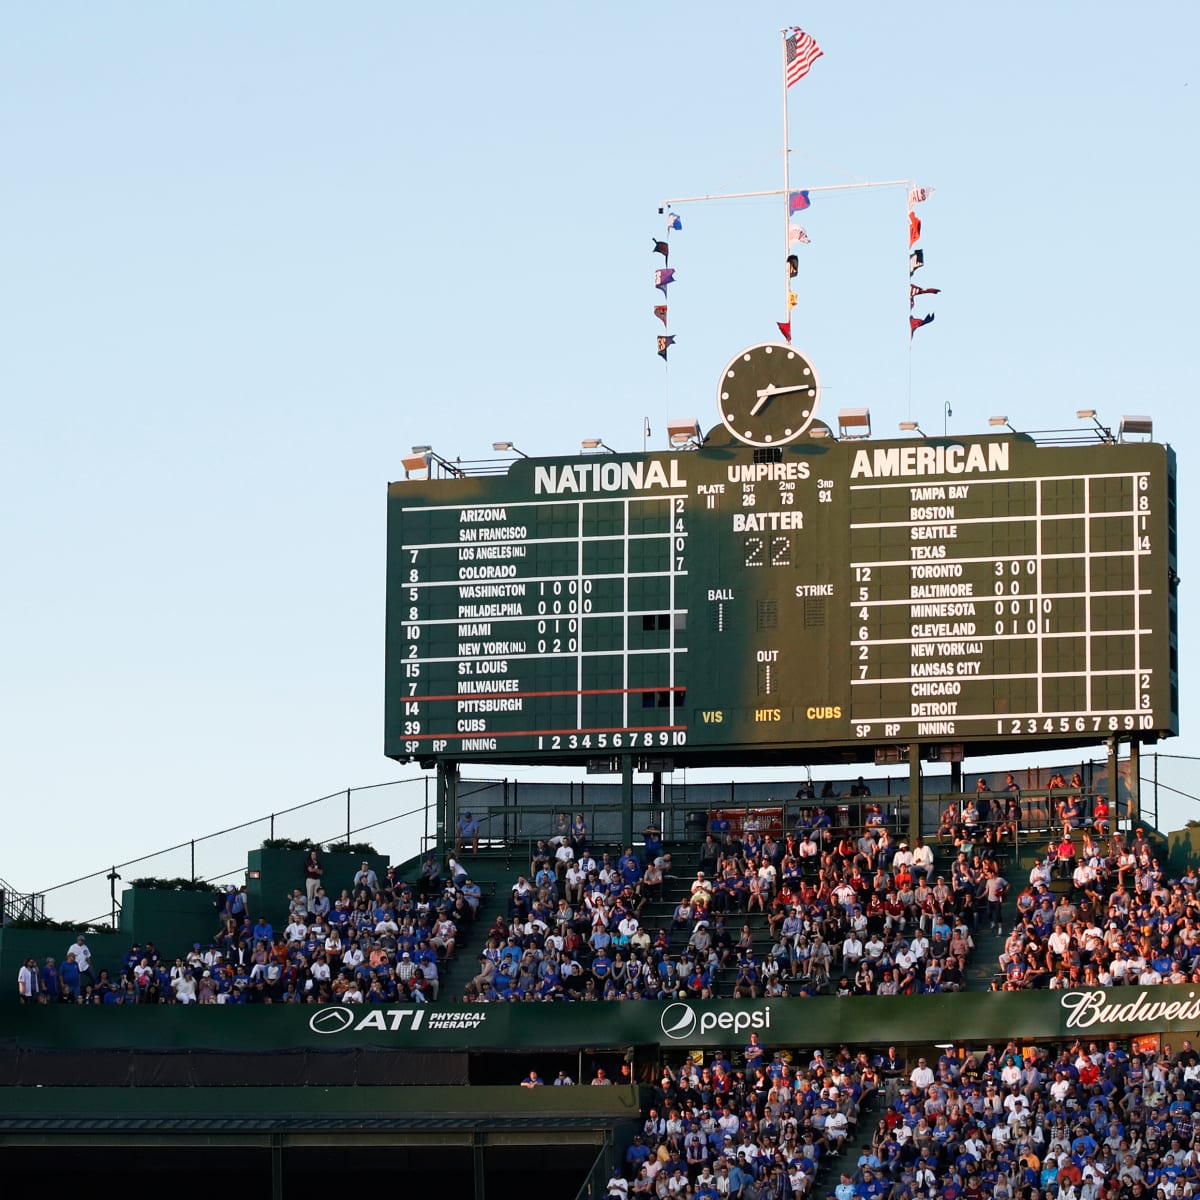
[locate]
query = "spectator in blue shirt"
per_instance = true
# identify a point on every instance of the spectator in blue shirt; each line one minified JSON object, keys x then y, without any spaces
{"x":466,"y":830}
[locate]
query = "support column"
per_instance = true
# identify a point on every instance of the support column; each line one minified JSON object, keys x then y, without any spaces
{"x":1135,"y":784}
{"x":276,"y":1167}
{"x":477,"y":1163}
{"x":627,"y":800}
{"x":914,"y":792}
{"x":1114,"y":746}
{"x":447,"y":801}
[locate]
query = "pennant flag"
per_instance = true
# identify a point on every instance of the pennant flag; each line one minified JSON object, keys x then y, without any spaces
{"x":796,"y":234}
{"x":673,"y":221}
{"x":798,"y":201}
{"x":785,"y":327}
{"x":801,"y":51}
{"x":917,"y":195}
{"x":914,"y":227}
{"x":669,"y":340}
{"x":664,"y":248}
{"x":664,"y":277}
{"x":791,"y":301}
{"x":914,"y":292}
{"x":660,"y":311}
{"x":793,"y":266}
{"x":916,"y":260}
{"x":914,"y":323}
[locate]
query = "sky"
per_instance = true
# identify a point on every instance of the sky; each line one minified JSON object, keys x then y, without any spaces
{"x":251,"y":253}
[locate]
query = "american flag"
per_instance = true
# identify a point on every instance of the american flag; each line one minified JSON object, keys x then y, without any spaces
{"x":802,"y":52}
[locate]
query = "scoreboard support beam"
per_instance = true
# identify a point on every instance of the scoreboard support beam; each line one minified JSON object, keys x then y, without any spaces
{"x":1112,"y":748}
{"x":626,"y":799}
{"x":447,"y":799}
{"x":1135,"y":782}
{"x":914,"y":792}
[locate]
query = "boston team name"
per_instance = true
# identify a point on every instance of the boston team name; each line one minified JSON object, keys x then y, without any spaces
{"x":887,"y":461}
{"x":608,"y":477}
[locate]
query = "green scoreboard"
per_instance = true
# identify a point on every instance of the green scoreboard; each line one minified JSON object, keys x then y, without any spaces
{"x":814,"y":601}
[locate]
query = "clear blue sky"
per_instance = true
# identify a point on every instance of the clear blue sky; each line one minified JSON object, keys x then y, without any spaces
{"x":251,"y":253}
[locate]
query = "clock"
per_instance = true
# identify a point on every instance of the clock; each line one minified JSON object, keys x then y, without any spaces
{"x":768,"y":394}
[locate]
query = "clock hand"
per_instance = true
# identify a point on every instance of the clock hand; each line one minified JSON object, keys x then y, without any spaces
{"x":765,"y":394}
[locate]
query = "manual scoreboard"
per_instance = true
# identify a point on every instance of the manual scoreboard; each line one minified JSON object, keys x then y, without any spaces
{"x":801,"y":602}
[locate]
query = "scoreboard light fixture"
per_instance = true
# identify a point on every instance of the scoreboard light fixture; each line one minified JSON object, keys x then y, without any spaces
{"x":821,"y":431}
{"x":1000,"y":423}
{"x":508,"y":448}
{"x":912,"y":427}
{"x":596,"y":444}
{"x":854,"y":423}
{"x":685,"y":434}
{"x":1136,"y":428}
{"x":416,"y":464}
{"x":429,"y":456}
{"x":1089,"y":414}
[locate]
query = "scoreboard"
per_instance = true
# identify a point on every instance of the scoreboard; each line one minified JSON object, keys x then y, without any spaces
{"x":801,"y":603}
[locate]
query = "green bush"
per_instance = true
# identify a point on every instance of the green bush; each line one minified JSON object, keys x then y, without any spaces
{"x":178,"y":884}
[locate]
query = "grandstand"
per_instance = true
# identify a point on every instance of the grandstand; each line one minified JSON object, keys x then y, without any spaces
{"x":436,"y":1085}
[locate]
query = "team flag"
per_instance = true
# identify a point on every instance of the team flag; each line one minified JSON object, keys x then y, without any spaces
{"x":914,"y":292}
{"x":664,"y":248}
{"x":793,"y":265}
{"x":798,"y":201}
{"x":917,"y":195}
{"x":663,"y":278}
{"x":660,"y":311}
{"x":785,"y":327}
{"x":673,"y":221}
{"x":914,"y":323}
{"x":914,"y":228}
{"x":791,"y":301}
{"x":796,"y":234}
{"x":801,"y":51}
{"x":669,"y":340}
{"x":916,"y":260}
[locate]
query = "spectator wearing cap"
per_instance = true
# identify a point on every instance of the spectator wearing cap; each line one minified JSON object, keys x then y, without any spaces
{"x":365,"y":879}
{"x":49,"y":980}
{"x":466,"y":829}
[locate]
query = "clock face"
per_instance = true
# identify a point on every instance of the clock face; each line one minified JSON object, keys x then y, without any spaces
{"x":768,"y":394}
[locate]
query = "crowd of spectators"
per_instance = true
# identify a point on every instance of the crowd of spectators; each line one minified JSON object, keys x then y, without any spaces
{"x":379,"y":942}
{"x":764,"y":1126}
{"x":1098,"y":912}
{"x":815,"y":911}
{"x":1079,"y":1122}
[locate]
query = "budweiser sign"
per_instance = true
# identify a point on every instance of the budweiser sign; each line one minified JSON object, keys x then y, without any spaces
{"x":1098,"y":1007}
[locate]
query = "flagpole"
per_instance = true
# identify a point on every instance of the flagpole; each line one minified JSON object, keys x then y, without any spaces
{"x":787,"y":289}
{"x":810,"y":187}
